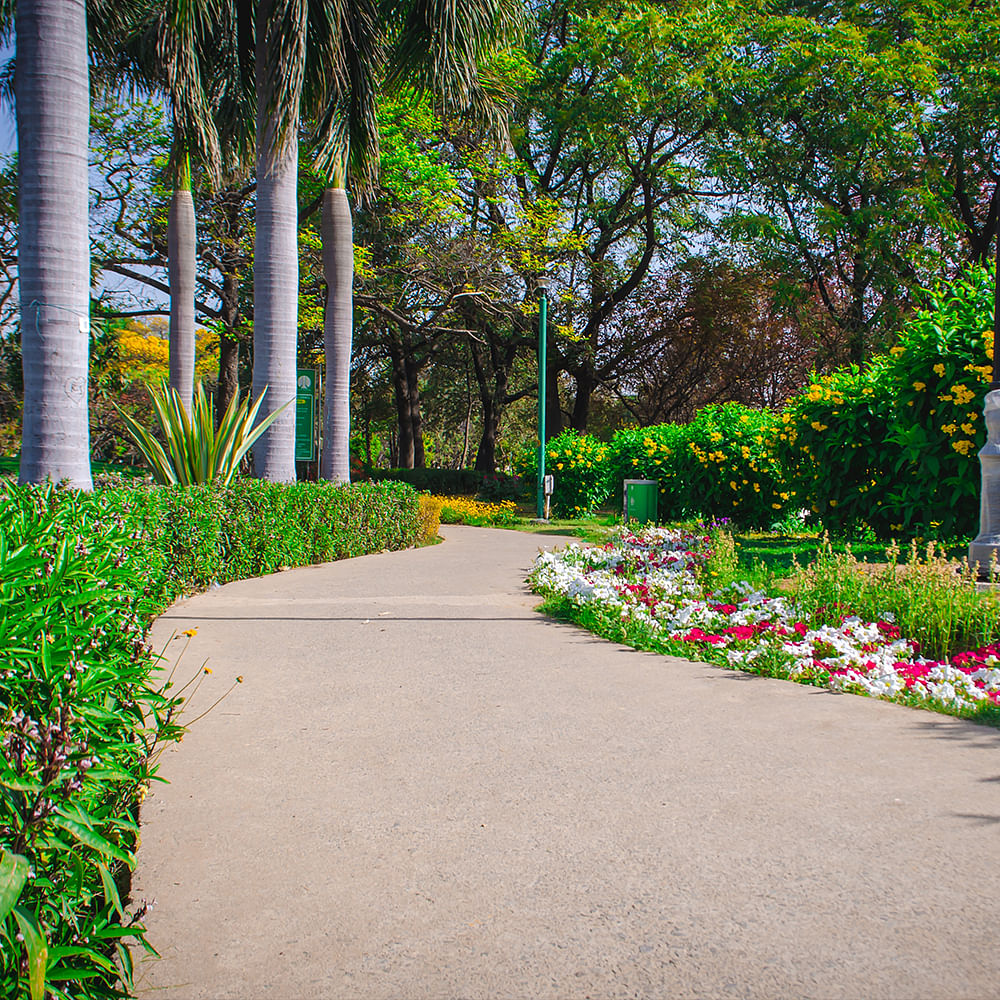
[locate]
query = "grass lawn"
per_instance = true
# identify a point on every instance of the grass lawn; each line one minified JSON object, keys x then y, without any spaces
{"x":762,"y":553}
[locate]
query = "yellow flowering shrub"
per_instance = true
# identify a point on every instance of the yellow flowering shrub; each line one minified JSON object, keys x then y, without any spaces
{"x":895,"y":446}
{"x":465,"y":510}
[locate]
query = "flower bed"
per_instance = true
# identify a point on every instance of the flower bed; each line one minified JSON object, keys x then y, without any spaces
{"x":648,"y":589}
{"x":464,"y":510}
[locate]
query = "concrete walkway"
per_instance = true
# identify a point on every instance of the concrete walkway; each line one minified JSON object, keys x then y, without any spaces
{"x":425,"y":790}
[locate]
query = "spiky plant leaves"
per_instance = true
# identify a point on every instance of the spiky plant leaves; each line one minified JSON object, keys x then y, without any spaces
{"x":192,"y":449}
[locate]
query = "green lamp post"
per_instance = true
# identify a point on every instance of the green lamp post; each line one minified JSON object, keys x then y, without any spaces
{"x":542,"y":283}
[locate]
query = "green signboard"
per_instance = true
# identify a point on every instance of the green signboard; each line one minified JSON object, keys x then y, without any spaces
{"x":307,"y":380}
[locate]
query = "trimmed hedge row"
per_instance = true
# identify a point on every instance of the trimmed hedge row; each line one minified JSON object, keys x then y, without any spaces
{"x":81,"y":715}
{"x":892,"y":448}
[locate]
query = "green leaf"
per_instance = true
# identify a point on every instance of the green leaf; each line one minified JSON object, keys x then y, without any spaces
{"x":37,"y":949}
{"x":111,"y":890}
{"x":91,"y":839}
{"x":13,"y":875}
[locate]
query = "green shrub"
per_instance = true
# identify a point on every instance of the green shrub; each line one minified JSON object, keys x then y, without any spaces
{"x":79,"y":721}
{"x":722,"y":464}
{"x":895,"y":446}
{"x":440,"y":481}
{"x":80,"y":576}
{"x":193,"y":450}
{"x":579,"y":466}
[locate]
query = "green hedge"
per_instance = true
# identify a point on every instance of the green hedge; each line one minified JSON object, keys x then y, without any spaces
{"x":80,"y":712}
{"x":454,"y":482}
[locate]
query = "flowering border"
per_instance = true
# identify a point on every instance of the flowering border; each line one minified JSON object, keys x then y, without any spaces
{"x":642,"y":588}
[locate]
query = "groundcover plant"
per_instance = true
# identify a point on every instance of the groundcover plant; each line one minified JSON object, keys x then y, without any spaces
{"x":650,"y":589}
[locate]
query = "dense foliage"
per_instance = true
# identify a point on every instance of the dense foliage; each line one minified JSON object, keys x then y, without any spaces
{"x":895,"y":445}
{"x":892,"y":447}
{"x":80,"y":714}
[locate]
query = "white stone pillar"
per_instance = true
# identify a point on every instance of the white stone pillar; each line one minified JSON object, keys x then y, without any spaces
{"x":986,"y":546}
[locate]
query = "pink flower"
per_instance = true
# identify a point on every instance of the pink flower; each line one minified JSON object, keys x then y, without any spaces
{"x":697,"y":635}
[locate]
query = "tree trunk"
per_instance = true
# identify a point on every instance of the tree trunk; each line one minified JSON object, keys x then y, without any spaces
{"x":553,"y":409}
{"x":338,"y":322}
{"x":181,"y":251}
{"x":486,"y":455}
{"x":276,"y":259}
{"x":53,"y":105}
{"x":229,"y":345}
{"x":581,"y":403}
{"x":416,"y":421}
{"x":404,"y":429}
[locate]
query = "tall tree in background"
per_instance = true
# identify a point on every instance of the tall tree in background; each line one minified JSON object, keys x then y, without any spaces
{"x":52,"y":93}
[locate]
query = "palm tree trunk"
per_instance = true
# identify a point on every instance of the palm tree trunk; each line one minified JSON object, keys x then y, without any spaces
{"x":181,"y":251}
{"x":53,"y":104}
{"x":338,"y":322}
{"x":276,"y":258}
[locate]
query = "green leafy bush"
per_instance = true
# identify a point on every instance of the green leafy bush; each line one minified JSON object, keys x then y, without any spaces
{"x":80,"y":716}
{"x":579,"y":466}
{"x":895,"y":446}
{"x":722,"y":464}
{"x":193,"y":449}
{"x":465,"y":481}
{"x":79,"y":720}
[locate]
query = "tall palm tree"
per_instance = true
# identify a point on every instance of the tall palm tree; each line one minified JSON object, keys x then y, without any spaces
{"x":335,"y":53}
{"x":421,"y":43}
{"x":184,"y":49}
{"x":281,"y":32}
{"x":53,"y":108}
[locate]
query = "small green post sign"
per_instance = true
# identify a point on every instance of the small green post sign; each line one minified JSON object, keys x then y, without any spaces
{"x":305,"y":414}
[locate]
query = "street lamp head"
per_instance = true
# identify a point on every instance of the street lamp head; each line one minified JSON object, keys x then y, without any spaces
{"x":543,"y":282}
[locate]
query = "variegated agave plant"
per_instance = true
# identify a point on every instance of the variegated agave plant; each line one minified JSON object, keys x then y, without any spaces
{"x":193,"y":450}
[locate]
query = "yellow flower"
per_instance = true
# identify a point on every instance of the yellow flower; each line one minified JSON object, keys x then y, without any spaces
{"x":896,"y":351}
{"x":189,"y":632}
{"x":817,"y":426}
{"x":919,"y":386}
{"x":833,"y":503}
{"x":732,"y":484}
{"x":939,"y":370}
{"x":950,"y":428}
{"x":635,"y":461}
{"x":776,"y":506}
{"x":962,"y":447}
{"x":967,"y":428}
{"x":559,"y":465}
{"x":715,"y":436}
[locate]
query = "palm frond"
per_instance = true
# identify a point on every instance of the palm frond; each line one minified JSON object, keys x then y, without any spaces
{"x":440,"y":43}
{"x":348,"y":56}
{"x":281,"y":31}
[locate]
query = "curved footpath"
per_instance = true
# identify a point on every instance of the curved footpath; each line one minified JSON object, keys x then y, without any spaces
{"x":423,"y":789}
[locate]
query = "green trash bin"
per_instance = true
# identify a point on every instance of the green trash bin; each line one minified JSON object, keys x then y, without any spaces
{"x":641,"y":498}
